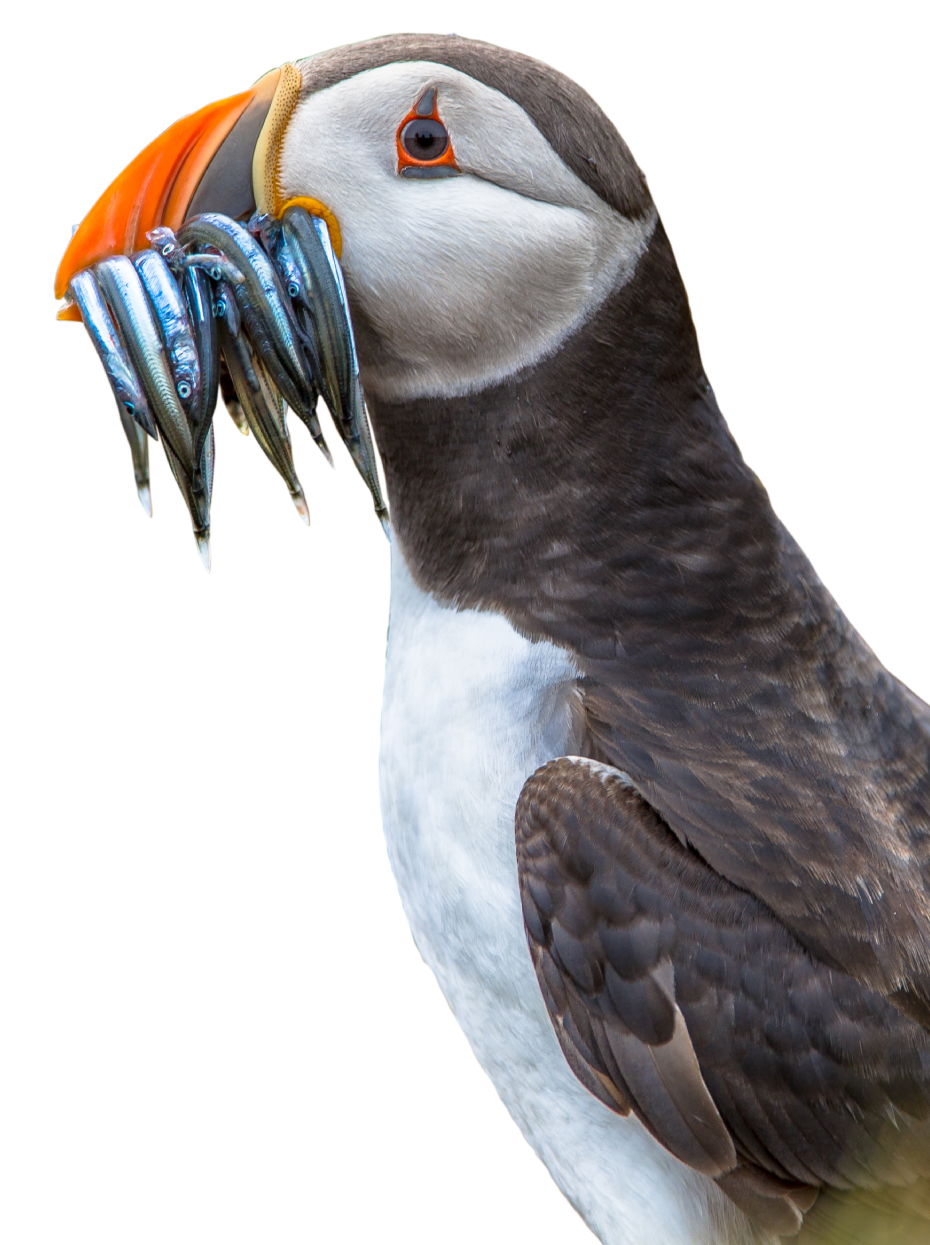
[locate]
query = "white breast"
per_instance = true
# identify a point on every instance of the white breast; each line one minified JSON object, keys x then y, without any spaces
{"x":471,"y":709}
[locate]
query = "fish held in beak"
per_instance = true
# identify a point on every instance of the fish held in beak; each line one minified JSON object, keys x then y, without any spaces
{"x":164,"y":362}
{"x":135,"y":415}
{"x":264,"y":411}
{"x":256,"y":310}
{"x":200,"y":306}
{"x":127,"y":389}
{"x":264,"y":306}
{"x":260,"y":285}
{"x":309,"y":243}
{"x":231,"y":402}
{"x":126,"y":296}
{"x":174,"y":325}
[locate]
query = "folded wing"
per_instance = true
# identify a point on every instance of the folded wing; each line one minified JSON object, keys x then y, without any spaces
{"x":678,"y":996}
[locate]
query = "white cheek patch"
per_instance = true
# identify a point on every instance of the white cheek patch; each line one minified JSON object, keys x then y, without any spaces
{"x":465,"y":280}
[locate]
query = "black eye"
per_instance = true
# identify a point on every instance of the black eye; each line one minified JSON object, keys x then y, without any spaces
{"x":424,"y":139}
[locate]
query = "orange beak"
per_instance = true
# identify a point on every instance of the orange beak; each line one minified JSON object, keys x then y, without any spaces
{"x":220,"y":159}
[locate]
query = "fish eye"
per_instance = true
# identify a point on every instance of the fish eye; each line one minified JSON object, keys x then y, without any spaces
{"x":184,"y":389}
{"x":293,"y":289}
{"x":219,"y":308}
{"x":424,"y":138}
{"x":129,"y":407}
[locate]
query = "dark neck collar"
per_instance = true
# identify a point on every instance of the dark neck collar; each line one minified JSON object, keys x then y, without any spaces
{"x":595,"y":498}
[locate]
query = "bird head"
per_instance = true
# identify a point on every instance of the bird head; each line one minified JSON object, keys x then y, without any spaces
{"x":481,"y":204}
{"x":485,"y":212}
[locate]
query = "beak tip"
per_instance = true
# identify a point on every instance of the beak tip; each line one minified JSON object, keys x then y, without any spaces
{"x":68,"y":311}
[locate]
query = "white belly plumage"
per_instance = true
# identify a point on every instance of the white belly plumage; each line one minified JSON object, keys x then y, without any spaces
{"x":471,"y":709}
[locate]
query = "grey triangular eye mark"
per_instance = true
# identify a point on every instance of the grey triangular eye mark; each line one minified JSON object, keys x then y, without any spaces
{"x":426,"y":103}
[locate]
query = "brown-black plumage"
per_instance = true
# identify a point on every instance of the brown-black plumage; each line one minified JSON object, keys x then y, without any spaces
{"x":762,"y":1009}
{"x":597,"y":499}
{"x":737,"y":946}
{"x":819,"y":1081}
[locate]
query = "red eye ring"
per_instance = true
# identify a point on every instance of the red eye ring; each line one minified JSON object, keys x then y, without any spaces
{"x":424,"y":147}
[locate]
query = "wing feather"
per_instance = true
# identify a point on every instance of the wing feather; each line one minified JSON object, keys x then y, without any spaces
{"x":684,"y":998}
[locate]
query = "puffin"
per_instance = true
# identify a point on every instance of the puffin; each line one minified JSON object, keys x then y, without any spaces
{"x":658,"y":816}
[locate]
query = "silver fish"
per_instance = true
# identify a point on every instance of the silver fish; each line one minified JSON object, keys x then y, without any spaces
{"x":264,"y":410}
{"x":336,"y":268}
{"x":165,"y":241}
{"x":196,"y":490}
{"x":236,"y":351}
{"x":362,"y":451}
{"x":357,"y":413}
{"x":268,"y":228}
{"x":300,"y":398}
{"x":231,"y":402}
{"x":198,"y":505}
{"x":200,"y":307}
{"x":201,"y":495}
{"x":304,"y":402}
{"x":216,"y":266}
{"x":207,"y":464}
{"x":124,"y":292}
{"x":139,"y":448}
{"x":226,"y":308}
{"x":129,"y":394}
{"x":325,"y":308}
{"x":312,"y":424}
{"x":271,"y":326}
{"x":174,"y":323}
{"x":342,"y":389}
{"x":261,"y":285}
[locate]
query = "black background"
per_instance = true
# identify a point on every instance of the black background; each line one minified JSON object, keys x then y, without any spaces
{"x":240,"y":971}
